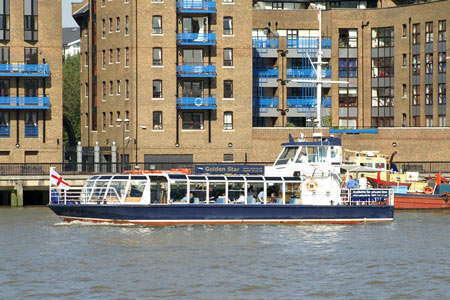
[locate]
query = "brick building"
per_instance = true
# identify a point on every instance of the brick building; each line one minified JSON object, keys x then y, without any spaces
{"x":208,"y":80}
{"x":30,"y":81}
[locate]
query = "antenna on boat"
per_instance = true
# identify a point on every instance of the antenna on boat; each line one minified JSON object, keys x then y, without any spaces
{"x":319,"y":82}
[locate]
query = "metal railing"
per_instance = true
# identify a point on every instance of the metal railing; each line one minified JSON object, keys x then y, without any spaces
{"x":21,"y":69}
{"x":25,"y":102}
{"x":193,"y":6}
{"x":196,"y":38}
{"x":265,"y":42}
{"x":85,"y":195}
{"x":308,"y":43}
{"x":265,"y":72}
{"x":196,"y":102}
{"x":197,"y":70}
{"x":301,"y":72}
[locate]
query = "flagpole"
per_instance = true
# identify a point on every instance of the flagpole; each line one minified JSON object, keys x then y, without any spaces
{"x":50,"y":185}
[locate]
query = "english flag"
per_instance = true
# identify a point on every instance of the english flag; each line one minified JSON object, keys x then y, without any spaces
{"x":57,"y":179}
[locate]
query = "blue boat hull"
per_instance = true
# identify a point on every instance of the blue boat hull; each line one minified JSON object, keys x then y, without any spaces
{"x":221,"y":214}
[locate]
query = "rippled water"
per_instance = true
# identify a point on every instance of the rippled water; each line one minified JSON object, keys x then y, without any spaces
{"x":42,"y":258}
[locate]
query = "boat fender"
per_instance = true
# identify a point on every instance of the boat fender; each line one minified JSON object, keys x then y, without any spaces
{"x":428,"y":190}
{"x":311,"y":185}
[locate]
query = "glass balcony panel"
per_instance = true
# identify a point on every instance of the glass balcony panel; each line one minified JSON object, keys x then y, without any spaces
{"x":196,"y":103}
{"x":25,"y":70}
{"x":196,"y":6}
{"x":196,"y":38}
{"x":265,"y":43}
{"x":307,"y":73}
{"x":265,"y":72}
{"x":196,"y":70}
{"x":24,"y":103}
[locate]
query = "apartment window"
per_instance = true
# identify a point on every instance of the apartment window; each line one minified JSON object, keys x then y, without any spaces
{"x":428,"y":94}
{"x":31,"y":56}
{"x":127,"y":21}
{"x":429,"y":32}
{"x":416,"y":121}
{"x":429,"y":63}
{"x":4,"y":124}
{"x":127,"y":57}
{"x":157,"y":88}
{"x":103,"y":28}
{"x":86,"y":90}
{"x":416,"y":34}
{"x":103,"y":90}
{"x":104,"y":121}
{"x":228,"y":120}
{"x":157,"y":25}
{"x":228,"y":88}
{"x":118,"y":56}
{"x":157,"y":120}
{"x":227,"y":1}
{"x":228,"y":157}
{"x":127,"y":124}
{"x":277,"y":5}
{"x":383,"y":97}
{"x":31,"y":87}
{"x":86,"y":120}
{"x":118,"y":87}
{"x":110,"y":56}
{"x":404,"y":60}
{"x":118,"y":117}
{"x":111,"y":119}
{"x":31,"y":20}
{"x":86,"y":59}
{"x":127,"y":89}
{"x":110,"y":25}
{"x":4,"y":87}
{"x":31,"y":124}
{"x":348,"y":97}
{"x":416,"y":94}
{"x":111,"y":88}
{"x":382,"y":66}
{"x":157,"y":56}
{"x":347,"y":122}
{"x":4,"y":55}
{"x":442,"y":121}
{"x":228,"y":57}
{"x":442,"y":31}
{"x":193,"y":120}
{"x":4,"y":20}
{"x":104,"y":59}
{"x":404,"y":90}
{"x":429,"y":121}
{"x":227,"y":25}
{"x":404,"y":30}
{"x":442,"y":65}
{"x":348,"y":67}
{"x":383,"y":37}
{"x":442,"y":92}
{"x":348,"y":38}
{"x":416,"y":64}
{"x":118,"y":24}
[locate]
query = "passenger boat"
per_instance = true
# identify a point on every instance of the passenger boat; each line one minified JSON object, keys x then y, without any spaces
{"x":301,"y":187}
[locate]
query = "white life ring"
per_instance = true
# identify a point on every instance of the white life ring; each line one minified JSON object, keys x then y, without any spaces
{"x":198,"y":102}
{"x":311,"y":185}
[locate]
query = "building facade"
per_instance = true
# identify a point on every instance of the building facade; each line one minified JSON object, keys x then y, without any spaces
{"x":205,"y":80}
{"x":30,"y":81}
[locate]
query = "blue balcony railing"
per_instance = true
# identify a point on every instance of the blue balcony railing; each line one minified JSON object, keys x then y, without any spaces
{"x":5,"y":130}
{"x":307,"y":73}
{"x":196,"y":71}
{"x":308,"y":43}
{"x":196,"y":103}
{"x":265,"y":102}
{"x":265,"y":72}
{"x":31,"y":131}
{"x":307,"y":101}
{"x":196,"y":6}
{"x":24,"y":103}
{"x":196,"y":38}
{"x":265,"y":43}
{"x":24,"y":70}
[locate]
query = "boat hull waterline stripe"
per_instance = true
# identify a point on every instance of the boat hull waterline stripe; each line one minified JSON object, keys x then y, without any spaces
{"x":225,"y":221}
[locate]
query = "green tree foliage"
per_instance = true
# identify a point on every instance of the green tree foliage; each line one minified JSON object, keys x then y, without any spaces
{"x":71,"y":94}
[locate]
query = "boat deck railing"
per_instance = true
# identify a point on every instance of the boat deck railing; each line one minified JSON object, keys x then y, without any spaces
{"x":367,"y":197}
{"x":85,"y":195}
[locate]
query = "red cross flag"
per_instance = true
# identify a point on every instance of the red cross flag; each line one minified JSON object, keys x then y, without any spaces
{"x":57,"y":179}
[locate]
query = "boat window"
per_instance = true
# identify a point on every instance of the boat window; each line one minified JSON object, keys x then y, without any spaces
{"x":287,"y":154}
{"x":273,"y":178}
{"x":236,"y":190}
{"x":198,"y":191}
{"x":105,"y":177}
{"x":255,"y":190}
{"x":369,"y":165}
{"x":302,"y":157}
{"x":317,"y":154}
{"x":333,"y":152}
{"x":194,"y":177}
{"x":136,"y":189}
{"x":158,"y":189}
{"x":293,"y":193}
{"x":117,"y":188}
{"x":377,"y":165}
{"x":177,"y":176}
{"x":121,"y":177}
{"x":235,"y":178}
{"x":178,"y":192}
{"x":139,"y":177}
{"x":254,"y":178}
{"x":217,"y":190}
{"x":100,"y":188}
{"x":215,"y":178}
{"x":94,"y":177}
{"x":292,"y":178}
{"x":274,"y":192}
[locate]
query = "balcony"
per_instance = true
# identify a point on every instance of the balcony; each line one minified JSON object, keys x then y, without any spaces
{"x":266,"y":47}
{"x":266,"y":76}
{"x":31,"y":131}
{"x":266,"y":106}
{"x":196,"y":71}
{"x":196,"y":103}
{"x":307,"y":73}
{"x":303,"y":105}
{"x":196,"y":6}
{"x":202,"y":39}
{"x":5,"y":130}
{"x":24,"y":70}
{"x":299,"y":47}
{"x":24,"y":103}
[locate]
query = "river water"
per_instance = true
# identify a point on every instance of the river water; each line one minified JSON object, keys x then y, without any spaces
{"x":42,"y":258}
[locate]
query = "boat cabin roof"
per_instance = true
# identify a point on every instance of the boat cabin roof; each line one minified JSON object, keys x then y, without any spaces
{"x":325,"y":141}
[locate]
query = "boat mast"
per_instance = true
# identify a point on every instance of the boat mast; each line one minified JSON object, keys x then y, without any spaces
{"x":319,"y":70}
